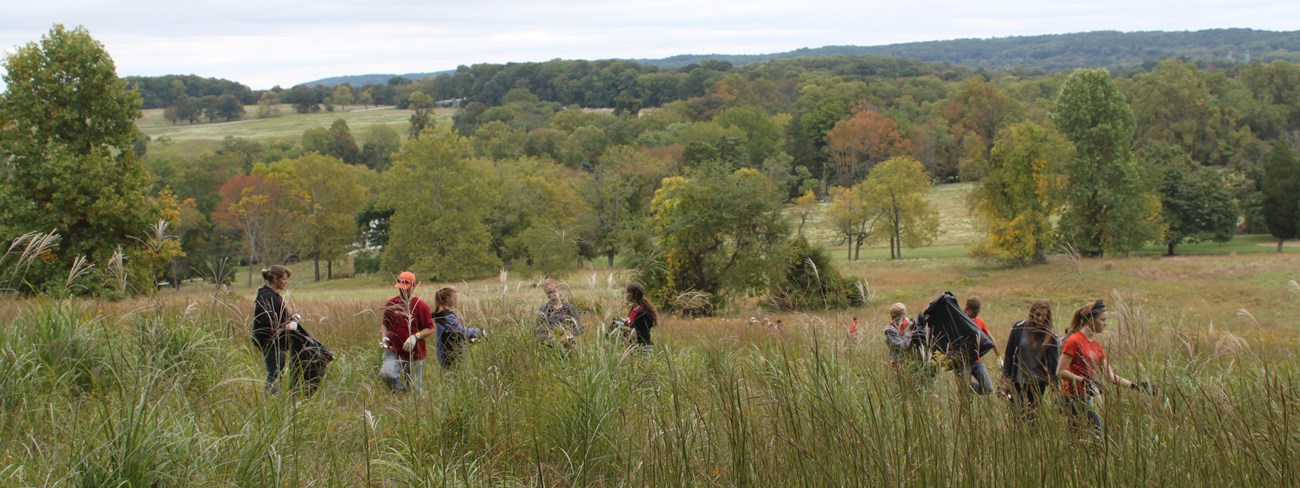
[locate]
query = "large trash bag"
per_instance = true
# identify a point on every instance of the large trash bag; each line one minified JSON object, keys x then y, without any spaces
{"x":944,"y":327}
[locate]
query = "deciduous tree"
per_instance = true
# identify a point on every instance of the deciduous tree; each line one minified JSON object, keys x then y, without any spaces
{"x":896,"y":189}
{"x":67,"y":130}
{"x":1281,"y":187}
{"x":441,"y":201}
{"x":1109,"y":205}
{"x":1020,"y":192}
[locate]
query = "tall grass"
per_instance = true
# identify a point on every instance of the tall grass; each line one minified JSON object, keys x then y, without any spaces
{"x":169,"y":393}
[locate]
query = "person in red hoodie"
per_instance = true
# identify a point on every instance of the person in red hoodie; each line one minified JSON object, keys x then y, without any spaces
{"x":407,"y":323}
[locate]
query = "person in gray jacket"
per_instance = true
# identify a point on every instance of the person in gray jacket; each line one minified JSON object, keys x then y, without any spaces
{"x":1030,"y":360}
{"x":558,"y":324}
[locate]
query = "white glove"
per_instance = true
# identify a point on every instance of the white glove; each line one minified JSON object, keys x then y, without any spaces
{"x":409,"y":346}
{"x":296,"y":317}
{"x":1000,"y":363}
{"x":291,"y":325}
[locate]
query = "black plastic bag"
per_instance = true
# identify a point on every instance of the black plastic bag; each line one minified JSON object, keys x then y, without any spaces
{"x":945,"y":327}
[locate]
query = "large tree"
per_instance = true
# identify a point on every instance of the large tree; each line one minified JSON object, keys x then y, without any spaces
{"x":1109,"y":205}
{"x":333,"y":193}
{"x":1281,"y":187}
{"x":896,"y":189}
{"x":1020,"y":192}
{"x":721,"y":233}
{"x":857,"y":143}
{"x":441,"y":201}
{"x":1194,"y":199}
{"x":67,"y":127}
{"x":852,"y":216}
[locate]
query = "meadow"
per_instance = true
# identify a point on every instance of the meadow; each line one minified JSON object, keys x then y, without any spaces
{"x":168,"y":390}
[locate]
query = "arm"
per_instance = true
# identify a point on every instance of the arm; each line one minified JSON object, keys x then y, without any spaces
{"x":1063,"y":370}
{"x":1114,"y":378}
{"x":1009,"y":358}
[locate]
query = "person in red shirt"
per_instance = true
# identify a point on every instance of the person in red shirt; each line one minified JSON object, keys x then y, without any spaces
{"x":853,"y":329}
{"x":1083,"y":362}
{"x":983,"y":384}
{"x":407,"y":323}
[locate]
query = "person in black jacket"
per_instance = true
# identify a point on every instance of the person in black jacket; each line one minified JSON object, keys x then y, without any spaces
{"x":273,"y":324}
{"x":642,"y":317}
{"x":1032,"y":354}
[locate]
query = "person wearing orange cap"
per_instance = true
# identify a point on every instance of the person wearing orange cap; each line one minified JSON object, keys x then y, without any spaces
{"x":408,"y":321}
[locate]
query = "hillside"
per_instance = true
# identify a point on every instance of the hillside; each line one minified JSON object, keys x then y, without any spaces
{"x":1050,"y":53}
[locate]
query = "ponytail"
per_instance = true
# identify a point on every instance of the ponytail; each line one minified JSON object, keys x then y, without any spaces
{"x":275,"y":272}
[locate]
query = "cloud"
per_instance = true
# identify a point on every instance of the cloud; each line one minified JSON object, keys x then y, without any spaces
{"x":286,"y":42}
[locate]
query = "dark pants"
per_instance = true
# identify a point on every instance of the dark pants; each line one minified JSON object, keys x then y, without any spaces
{"x":1027,"y":397}
{"x":1080,"y":409}
{"x":274,"y":355}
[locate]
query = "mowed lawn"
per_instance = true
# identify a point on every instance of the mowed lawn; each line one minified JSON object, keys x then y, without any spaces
{"x":192,"y":140}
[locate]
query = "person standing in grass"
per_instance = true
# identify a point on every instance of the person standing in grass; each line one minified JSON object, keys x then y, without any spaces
{"x":642,"y":317}
{"x":896,"y":336}
{"x":557,"y":320}
{"x":453,"y":336}
{"x":1030,"y":362}
{"x":982,"y":384}
{"x":407,"y":323}
{"x":273,"y":323}
{"x":1083,"y":362}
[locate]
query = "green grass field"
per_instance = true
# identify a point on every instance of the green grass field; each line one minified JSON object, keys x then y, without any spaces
{"x":167,"y":390}
{"x":192,"y":140}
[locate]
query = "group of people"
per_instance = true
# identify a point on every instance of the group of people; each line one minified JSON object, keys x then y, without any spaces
{"x":1035,"y":358}
{"x":407,"y":325}
{"x":1034,"y":361}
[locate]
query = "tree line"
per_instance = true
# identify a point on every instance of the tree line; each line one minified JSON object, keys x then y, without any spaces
{"x":708,"y":195}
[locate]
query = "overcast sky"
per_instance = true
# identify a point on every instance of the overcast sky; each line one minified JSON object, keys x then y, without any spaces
{"x":286,"y":42}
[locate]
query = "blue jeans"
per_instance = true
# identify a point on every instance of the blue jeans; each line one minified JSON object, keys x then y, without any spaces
{"x":400,"y":374}
{"x":982,"y":384}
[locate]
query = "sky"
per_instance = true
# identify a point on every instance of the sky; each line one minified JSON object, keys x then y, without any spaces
{"x":287,"y":42}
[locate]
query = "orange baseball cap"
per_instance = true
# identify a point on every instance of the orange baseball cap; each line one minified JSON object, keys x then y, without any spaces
{"x":405,"y":280}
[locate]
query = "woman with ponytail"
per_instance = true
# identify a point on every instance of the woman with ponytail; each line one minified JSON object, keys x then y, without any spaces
{"x":1083,"y":362}
{"x":272,"y":322}
{"x":642,"y":317}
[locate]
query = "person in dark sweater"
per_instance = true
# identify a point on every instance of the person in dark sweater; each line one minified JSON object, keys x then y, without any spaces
{"x":642,"y":317}
{"x":558,"y":323}
{"x":453,"y":336}
{"x":1031,"y":357}
{"x":273,"y":324}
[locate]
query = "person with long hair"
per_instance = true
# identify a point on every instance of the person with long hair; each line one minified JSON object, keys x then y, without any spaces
{"x":1030,"y":361}
{"x":272,"y":323}
{"x":407,"y":322}
{"x":642,"y":317}
{"x":557,"y":323}
{"x":1083,"y":363}
{"x":453,"y":336}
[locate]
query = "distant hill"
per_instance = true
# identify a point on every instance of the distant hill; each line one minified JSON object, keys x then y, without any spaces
{"x":1054,"y":52}
{"x":1050,"y":53}
{"x":371,"y":79}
